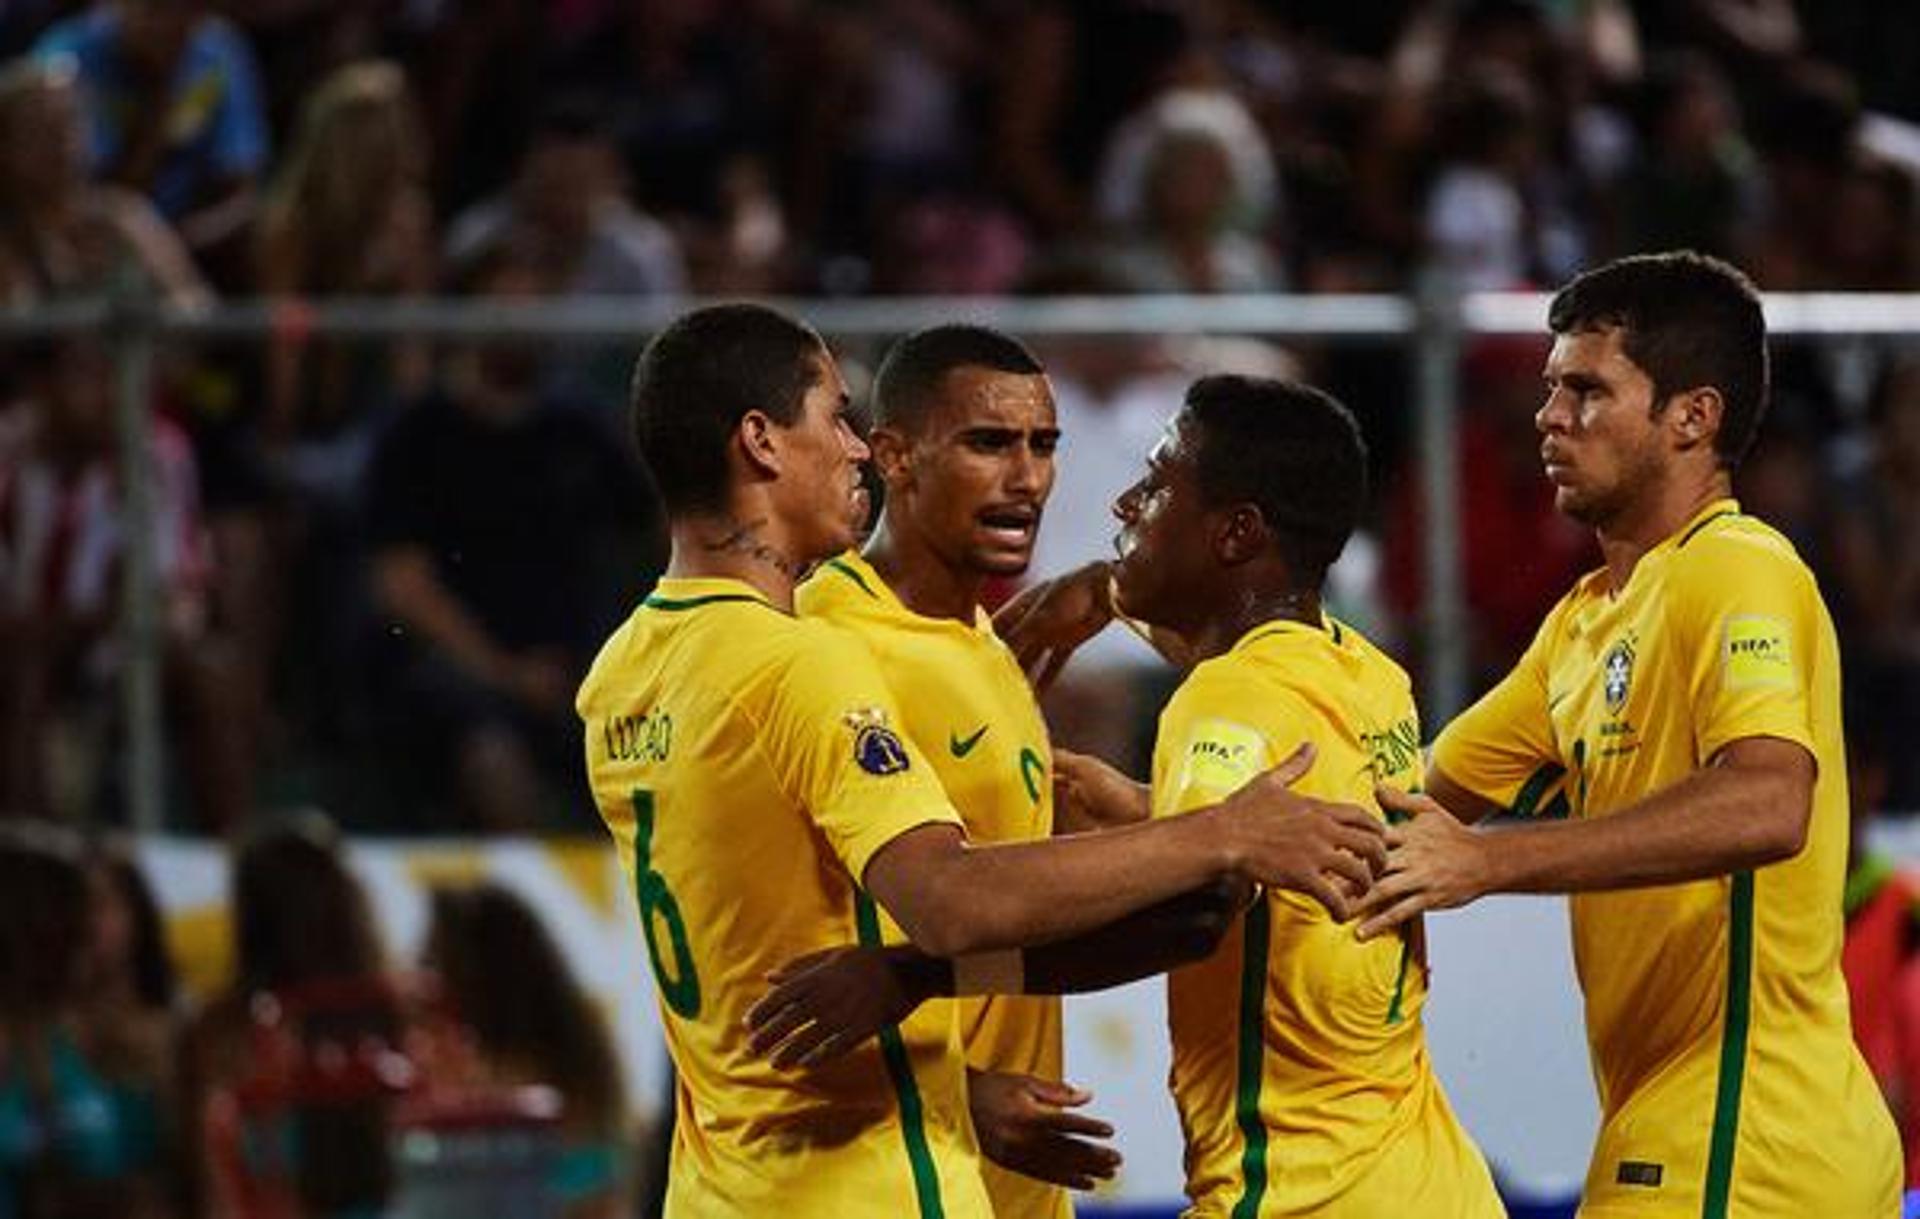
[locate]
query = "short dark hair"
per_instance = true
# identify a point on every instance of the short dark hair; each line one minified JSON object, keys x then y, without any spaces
{"x":1292,"y":451}
{"x":1687,"y":320}
{"x":910,"y":376}
{"x":699,"y":377}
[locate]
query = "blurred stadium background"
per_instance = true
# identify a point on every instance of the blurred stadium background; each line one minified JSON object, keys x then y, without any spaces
{"x":314,"y":323}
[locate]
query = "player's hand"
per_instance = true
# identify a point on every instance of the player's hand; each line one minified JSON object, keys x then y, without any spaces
{"x":1330,"y":852}
{"x":826,"y":1003}
{"x":1088,"y":794}
{"x":1048,"y":621}
{"x":1433,"y":863}
{"x":1025,"y":1125}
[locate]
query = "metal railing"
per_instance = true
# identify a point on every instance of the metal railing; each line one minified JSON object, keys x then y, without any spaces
{"x":1436,"y":321}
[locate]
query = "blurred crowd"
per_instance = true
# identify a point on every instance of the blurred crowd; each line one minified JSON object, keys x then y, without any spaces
{"x":292,"y":1091}
{"x":384,"y":564}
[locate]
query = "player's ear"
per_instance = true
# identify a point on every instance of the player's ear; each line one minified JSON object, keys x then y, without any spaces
{"x":758,"y":440}
{"x":892,"y":454}
{"x":1242,"y":534}
{"x":1694,"y":416}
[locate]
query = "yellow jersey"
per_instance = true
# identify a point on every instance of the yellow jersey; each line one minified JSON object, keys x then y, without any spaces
{"x":1717,"y":1018}
{"x":968,"y":708}
{"x":748,"y":765}
{"x":1300,"y":1065}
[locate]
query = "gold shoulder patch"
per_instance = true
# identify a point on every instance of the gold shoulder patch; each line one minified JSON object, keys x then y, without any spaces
{"x":1758,"y":652}
{"x":1222,"y":755}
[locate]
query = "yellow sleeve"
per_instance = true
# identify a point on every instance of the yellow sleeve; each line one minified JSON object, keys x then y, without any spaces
{"x":1213,"y":753}
{"x":1747,"y":614}
{"x":1502,"y":747}
{"x":833,"y":737}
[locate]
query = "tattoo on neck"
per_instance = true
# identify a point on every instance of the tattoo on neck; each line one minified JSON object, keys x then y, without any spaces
{"x":745,"y":540}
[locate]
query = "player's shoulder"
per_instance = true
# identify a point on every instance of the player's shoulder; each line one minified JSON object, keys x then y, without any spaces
{"x":1731,"y":552}
{"x":843,"y":588}
{"x":1238,"y":686}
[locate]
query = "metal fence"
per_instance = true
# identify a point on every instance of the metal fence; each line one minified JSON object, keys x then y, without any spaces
{"x":1435,"y":321}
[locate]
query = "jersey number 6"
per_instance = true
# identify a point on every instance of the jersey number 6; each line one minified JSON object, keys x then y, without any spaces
{"x":681,"y":988}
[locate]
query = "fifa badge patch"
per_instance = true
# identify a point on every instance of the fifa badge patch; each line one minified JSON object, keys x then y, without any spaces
{"x":1222,"y":756}
{"x":1757,"y":653}
{"x":1616,"y":671}
{"x":875,"y":747}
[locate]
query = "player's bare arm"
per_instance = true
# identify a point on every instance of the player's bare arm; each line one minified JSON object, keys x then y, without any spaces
{"x":1748,"y":807}
{"x":1468,"y":807}
{"x":823,"y":1004}
{"x":931,"y":879}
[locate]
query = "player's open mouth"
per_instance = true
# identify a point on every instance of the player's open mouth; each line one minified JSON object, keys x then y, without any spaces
{"x":1013,"y":526}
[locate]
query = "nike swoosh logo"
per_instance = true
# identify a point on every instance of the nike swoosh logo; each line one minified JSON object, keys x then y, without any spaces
{"x":962,"y":746}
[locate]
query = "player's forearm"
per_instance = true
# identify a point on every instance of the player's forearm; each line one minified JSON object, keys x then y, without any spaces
{"x":1467,"y":807}
{"x":1715,"y":822}
{"x":1175,"y":932}
{"x":1184,"y":928}
{"x":981,"y":898}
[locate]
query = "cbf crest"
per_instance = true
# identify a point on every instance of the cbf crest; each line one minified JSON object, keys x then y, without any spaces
{"x":875,"y":747}
{"x":1617,"y":673}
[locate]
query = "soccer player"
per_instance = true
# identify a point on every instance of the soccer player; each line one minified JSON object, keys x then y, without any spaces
{"x":964,"y":440}
{"x":1300,"y":1066}
{"x":749,"y":767}
{"x":1677,"y":720}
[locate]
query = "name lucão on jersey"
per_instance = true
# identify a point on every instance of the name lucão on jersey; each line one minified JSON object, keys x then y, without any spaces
{"x":646,"y":736}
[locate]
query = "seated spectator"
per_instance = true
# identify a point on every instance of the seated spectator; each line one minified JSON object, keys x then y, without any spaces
{"x":78,"y":1129}
{"x":173,"y":110}
{"x":62,"y":235}
{"x":61,"y":563}
{"x":533,"y":1024}
{"x":499,"y":522}
{"x":309,"y":999}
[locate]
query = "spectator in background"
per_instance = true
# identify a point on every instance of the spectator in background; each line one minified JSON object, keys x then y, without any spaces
{"x":61,"y":562}
{"x":1478,"y":221}
{"x":304,"y":938}
{"x":1069,"y":71}
{"x":1517,"y":553}
{"x":569,"y":201}
{"x":498,"y":518}
{"x":1189,"y":187}
{"x":1697,"y":183}
{"x":532,"y":1023}
{"x":347,"y":215}
{"x":78,"y":1130}
{"x":568,"y":206}
{"x":1876,"y":582}
{"x":60,"y":234}
{"x":173,"y":111}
